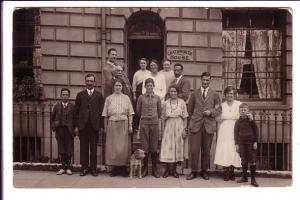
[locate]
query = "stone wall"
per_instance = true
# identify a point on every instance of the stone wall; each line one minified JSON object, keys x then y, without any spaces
{"x":200,"y":31}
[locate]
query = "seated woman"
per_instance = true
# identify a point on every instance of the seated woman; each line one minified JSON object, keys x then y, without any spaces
{"x":118,"y":113}
{"x":175,"y":123}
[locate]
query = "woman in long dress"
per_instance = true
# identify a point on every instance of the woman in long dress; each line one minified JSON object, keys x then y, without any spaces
{"x":118,"y":113}
{"x":175,"y":122}
{"x":226,"y":154}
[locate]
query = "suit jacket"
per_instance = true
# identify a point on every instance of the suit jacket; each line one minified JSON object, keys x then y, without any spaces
{"x":108,"y":75}
{"x":89,"y":107}
{"x":183,"y":88}
{"x":197,"y":105}
{"x":56,"y":117}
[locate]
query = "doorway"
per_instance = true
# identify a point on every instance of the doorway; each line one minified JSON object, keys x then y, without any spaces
{"x":145,"y":39}
{"x":143,"y":48}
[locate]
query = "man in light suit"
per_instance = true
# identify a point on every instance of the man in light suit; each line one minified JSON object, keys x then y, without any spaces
{"x":182,"y":85}
{"x":88,"y":110}
{"x":203,"y":107}
{"x":108,"y":70}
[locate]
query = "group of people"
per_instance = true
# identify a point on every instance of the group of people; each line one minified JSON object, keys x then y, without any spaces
{"x":159,"y":105}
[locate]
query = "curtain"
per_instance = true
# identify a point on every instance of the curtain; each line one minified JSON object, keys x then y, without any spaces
{"x":234,"y":43}
{"x":265,"y":45}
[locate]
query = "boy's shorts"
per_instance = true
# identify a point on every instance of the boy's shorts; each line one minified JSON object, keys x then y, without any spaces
{"x":149,"y":134}
{"x":247,"y":153}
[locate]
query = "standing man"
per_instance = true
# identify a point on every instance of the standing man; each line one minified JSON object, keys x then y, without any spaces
{"x":108,"y":71}
{"x":182,"y":85}
{"x":203,"y":107}
{"x":88,"y":110}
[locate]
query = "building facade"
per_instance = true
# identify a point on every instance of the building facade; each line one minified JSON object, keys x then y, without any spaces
{"x":248,"y":48}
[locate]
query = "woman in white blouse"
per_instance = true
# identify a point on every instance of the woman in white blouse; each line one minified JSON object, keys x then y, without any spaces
{"x":168,"y":72}
{"x":139,"y":77}
{"x":117,"y":113}
{"x":159,"y":81}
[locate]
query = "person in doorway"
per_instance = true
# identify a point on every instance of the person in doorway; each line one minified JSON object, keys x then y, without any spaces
{"x":88,"y":123}
{"x":182,"y":85}
{"x":174,"y":131}
{"x":246,"y":137}
{"x":149,"y":110}
{"x":108,"y":71}
{"x":139,"y":77}
{"x":167,"y":72}
{"x":203,"y":107}
{"x":137,"y":87}
{"x":226,"y":155}
{"x":117,"y":113}
{"x":159,"y":81}
{"x":62,"y":122}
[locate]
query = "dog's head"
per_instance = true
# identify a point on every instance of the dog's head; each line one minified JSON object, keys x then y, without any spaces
{"x":139,"y":154}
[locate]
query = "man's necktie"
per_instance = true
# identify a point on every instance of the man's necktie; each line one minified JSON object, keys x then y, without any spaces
{"x":203,"y":94}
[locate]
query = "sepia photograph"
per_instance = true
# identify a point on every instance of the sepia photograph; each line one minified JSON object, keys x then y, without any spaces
{"x":161,"y":97}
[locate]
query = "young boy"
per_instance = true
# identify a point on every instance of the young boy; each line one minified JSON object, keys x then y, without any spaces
{"x":62,"y":122}
{"x":149,"y":110}
{"x":245,"y":136}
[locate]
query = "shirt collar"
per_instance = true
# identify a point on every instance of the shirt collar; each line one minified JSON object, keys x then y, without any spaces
{"x":206,"y":89}
{"x":65,"y":104}
{"x":111,"y":63}
{"x":91,"y":90}
{"x":178,"y":79}
{"x":150,"y":94}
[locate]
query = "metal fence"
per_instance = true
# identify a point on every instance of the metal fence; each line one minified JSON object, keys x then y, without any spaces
{"x":34,"y":141}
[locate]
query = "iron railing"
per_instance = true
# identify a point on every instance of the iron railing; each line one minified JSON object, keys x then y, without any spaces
{"x":34,"y":141}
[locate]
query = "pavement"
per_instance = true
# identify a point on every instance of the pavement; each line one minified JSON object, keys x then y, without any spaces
{"x":49,"y":179}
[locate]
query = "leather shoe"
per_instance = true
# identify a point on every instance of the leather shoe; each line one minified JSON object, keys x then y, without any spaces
{"x":191,"y":176}
{"x":94,"y":173}
{"x":84,"y":172}
{"x":175,"y":174}
{"x":205,"y":175}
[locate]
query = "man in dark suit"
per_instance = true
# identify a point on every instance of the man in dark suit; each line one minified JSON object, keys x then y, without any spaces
{"x":108,"y":70}
{"x":203,"y":107}
{"x":182,"y":85}
{"x":88,"y":110}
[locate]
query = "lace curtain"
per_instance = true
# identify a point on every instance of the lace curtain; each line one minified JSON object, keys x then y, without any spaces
{"x":234,"y":43}
{"x":266,"y":52}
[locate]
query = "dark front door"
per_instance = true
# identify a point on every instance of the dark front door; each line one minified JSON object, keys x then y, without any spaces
{"x":147,"y":48}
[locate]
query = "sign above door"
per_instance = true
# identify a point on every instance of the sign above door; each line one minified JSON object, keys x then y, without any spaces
{"x":180,"y":54}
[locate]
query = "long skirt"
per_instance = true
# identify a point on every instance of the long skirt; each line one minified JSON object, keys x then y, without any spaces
{"x":226,"y":154}
{"x":172,"y":141}
{"x":117,"y":144}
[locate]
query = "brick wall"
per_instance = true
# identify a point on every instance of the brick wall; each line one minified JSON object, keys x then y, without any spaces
{"x":71,"y":47}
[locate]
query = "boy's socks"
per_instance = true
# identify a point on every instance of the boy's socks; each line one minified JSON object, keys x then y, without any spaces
{"x":253,"y":172}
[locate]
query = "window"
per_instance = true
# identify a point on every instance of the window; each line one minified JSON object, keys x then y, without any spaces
{"x":26,"y":54}
{"x":252,"y":43}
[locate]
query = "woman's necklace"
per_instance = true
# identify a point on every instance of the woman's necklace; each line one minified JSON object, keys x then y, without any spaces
{"x":173,"y":108}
